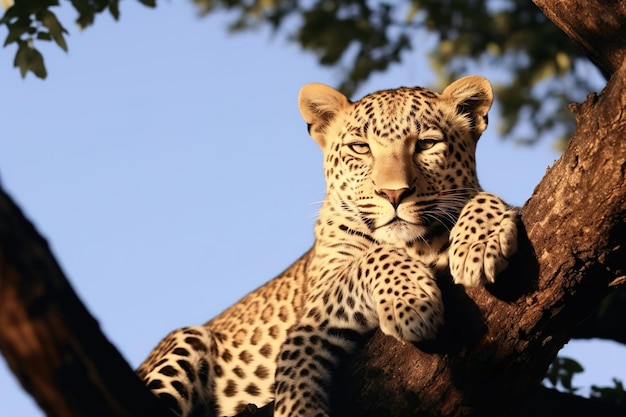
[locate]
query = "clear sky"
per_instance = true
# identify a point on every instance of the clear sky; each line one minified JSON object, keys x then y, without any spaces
{"x":167,"y":164}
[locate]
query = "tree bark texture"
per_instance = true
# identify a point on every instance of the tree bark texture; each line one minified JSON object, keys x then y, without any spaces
{"x":493,"y":351}
{"x":599,"y":27}
{"x":497,"y":341}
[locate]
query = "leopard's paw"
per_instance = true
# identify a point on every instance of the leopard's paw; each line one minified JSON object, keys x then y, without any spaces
{"x":482,"y":240}
{"x":408,"y":300}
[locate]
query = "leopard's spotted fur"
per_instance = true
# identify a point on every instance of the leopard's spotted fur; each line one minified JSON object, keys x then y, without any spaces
{"x":402,"y":195}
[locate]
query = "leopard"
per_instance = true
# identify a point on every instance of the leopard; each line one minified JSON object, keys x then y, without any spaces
{"x":403,"y":209}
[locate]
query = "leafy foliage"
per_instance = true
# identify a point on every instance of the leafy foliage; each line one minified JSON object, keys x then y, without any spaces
{"x":29,"y":21}
{"x":561,"y":372}
{"x":537,"y":60}
{"x":541,"y":67}
{"x":616,"y":393}
{"x":541,"y":70}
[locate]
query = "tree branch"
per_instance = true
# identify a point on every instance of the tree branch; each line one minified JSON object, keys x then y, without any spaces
{"x":499,"y":341}
{"x":51,"y":342}
{"x":599,"y":27}
{"x":496,"y":345}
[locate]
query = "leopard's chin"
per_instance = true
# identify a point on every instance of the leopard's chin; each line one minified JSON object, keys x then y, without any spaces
{"x":399,"y":232}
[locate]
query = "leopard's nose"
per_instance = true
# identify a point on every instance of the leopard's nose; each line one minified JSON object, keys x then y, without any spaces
{"x":395,"y":197}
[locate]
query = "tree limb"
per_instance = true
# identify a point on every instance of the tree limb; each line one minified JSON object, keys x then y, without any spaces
{"x":49,"y":339}
{"x":496,"y":345}
{"x":499,"y":341}
{"x":599,"y":27}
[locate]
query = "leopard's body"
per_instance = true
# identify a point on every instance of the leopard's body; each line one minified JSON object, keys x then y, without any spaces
{"x":402,"y":194}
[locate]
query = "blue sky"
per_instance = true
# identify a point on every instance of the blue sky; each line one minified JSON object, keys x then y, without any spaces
{"x":168,"y":166}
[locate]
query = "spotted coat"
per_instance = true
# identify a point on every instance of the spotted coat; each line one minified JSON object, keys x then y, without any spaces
{"x":403,"y":204}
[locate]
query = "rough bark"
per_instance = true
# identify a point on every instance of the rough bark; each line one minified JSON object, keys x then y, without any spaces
{"x":494,"y":349}
{"x":575,"y":224}
{"x":599,"y":27}
{"x":540,"y":402}
{"x":600,"y":30}
{"x":510,"y":333}
{"x":497,"y":342}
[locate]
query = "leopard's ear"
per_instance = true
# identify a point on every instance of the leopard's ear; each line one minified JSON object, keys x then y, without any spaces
{"x":319,"y":104}
{"x":472,"y":95}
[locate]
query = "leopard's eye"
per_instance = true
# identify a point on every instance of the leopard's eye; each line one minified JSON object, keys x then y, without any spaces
{"x":425,"y":144}
{"x":360,"y":148}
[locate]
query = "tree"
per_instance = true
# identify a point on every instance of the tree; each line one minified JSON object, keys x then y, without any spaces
{"x":580,"y":258}
{"x":362,"y":37}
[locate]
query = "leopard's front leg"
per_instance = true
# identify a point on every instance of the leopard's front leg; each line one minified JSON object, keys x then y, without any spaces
{"x":407,"y":297}
{"x":482,"y":240}
{"x":306,"y":363}
{"x":335,"y":317}
{"x":385,"y":288}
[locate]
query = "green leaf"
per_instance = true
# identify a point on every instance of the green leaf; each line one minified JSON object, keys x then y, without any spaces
{"x":21,"y":58}
{"x":50,"y":21}
{"x":37,"y":66}
{"x":44,"y":36}
{"x":571,"y":366}
{"x":85,"y":11}
{"x":562,"y":371}
{"x":9,"y":14}
{"x":114,"y":9}
{"x":616,"y":393}
{"x":149,"y":3}
{"x":16,"y":31}
{"x":29,"y":59}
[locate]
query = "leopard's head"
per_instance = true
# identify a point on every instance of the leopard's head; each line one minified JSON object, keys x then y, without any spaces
{"x":399,"y":164}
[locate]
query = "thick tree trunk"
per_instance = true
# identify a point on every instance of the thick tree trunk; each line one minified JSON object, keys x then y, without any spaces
{"x":497,"y":342}
{"x":501,"y":340}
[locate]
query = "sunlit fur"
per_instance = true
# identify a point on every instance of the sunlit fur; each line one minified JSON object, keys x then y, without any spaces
{"x":431,"y":175}
{"x":402,"y":207}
